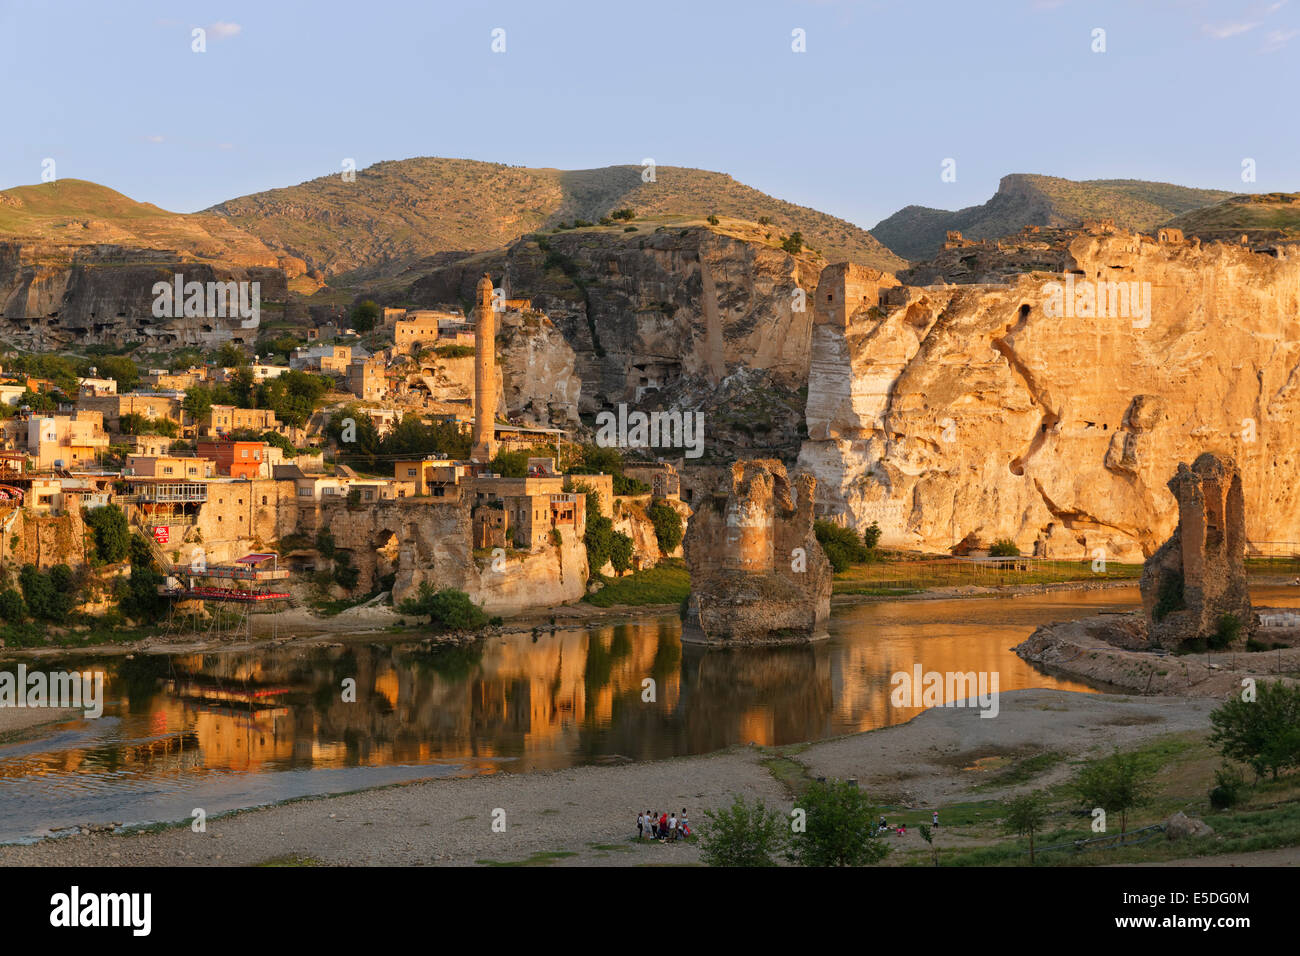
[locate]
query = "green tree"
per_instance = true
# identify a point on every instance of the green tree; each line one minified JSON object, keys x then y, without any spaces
{"x":365,"y":314}
{"x":50,"y":595}
{"x":510,"y":464}
{"x":793,"y":243}
{"x":742,"y":834}
{"x":120,"y":369}
{"x":871,"y":535}
{"x":448,"y":609}
{"x":1025,"y":815}
{"x":197,"y":402}
{"x":139,"y":599}
{"x":1264,"y":733}
{"x":840,"y":824}
{"x":668,"y":525}
{"x":842,"y":545}
{"x":1118,"y":783}
{"x":1004,"y":548}
{"x":111,"y":533}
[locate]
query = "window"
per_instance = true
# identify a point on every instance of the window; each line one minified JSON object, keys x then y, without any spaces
{"x":410,"y":473}
{"x":167,"y":469}
{"x":263,"y":499}
{"x":304,"y":492}
{"x":244,"y":452}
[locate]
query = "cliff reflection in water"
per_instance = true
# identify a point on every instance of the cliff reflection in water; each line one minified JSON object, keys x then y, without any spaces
{"x":548,"y":700}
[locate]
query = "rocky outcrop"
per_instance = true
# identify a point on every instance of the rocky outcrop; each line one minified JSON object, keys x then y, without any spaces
{"x":52,"y":296}
{"x":540,"y":381}
{"x":758,"y":575}
{"x":661,"y":318}
{"x":1009,"y":411}
{"x":1198,"y":576}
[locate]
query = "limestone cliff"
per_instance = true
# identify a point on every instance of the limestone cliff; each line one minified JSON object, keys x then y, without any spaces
{"x":715,"y":318}
{"x":1026,"y":411}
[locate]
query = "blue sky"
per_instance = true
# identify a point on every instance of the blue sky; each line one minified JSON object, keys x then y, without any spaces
{"x":858,"y":125}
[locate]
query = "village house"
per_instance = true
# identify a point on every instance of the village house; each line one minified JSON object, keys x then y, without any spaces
{"x":170,"y":466}
{"x":235,"y":459}
{"x":95,"y":387}
{"x":151,"y":406}
{"x":62,"y":441}
{"x":432,"y":477}
{"x":224,"y":419}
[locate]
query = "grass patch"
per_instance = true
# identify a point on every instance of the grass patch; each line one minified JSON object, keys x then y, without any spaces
{"x":668,"y":582}
{"x":291,"y":860}
{"x":540,"y":858}
{"x":1022,"y":771}
{"x":898,"y":573}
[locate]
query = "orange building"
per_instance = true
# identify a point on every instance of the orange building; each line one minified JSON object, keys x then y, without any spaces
{"x":238,"y":459}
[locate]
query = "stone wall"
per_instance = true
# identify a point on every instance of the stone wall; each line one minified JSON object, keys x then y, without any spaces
{"x":758,"y":574}
{"x":1199,"y":574}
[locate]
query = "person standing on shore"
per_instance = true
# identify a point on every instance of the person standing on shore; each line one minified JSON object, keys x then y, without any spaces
{"x":934,"y":817}
{"x":684,"y":826}
{"x":640,"y":826}
{"x":672,"y":827}
{"x":663,"y":826}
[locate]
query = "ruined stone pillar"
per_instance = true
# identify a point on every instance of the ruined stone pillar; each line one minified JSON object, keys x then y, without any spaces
{"x":485,"y":392}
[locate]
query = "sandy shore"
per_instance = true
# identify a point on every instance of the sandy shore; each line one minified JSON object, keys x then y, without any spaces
{"x":13,"y":719}
{"x":590,"y":812}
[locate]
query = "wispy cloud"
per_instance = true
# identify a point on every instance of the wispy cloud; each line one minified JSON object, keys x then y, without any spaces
{"x":222,"y":30}
{"x":1277,"y":39}
{"x":153,"y":139}
{"x":1253,"y":17}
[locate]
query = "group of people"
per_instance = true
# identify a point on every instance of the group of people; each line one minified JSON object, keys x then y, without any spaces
{"x":662,"y":826}
{"x":901,"y":829}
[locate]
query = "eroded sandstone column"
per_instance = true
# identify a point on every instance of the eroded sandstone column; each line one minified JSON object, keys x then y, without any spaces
{"x":485,"y":392}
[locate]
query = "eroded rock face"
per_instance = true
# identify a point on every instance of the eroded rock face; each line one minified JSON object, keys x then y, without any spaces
{"x":670,"y":318}
{"x":1199,"y":575}
{"x":758,"y":574}
{"x":983,"y":412}
{"x":54,"y":295}
{"x":541,"y":385}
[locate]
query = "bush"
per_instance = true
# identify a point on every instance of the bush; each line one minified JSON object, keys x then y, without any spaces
{"x":557,"y":539}
{"x":447,"y":610}
{"x":1264,"y":734}
{"x":793,"y":243}
{"x":1004,"y":548}
{"x":841,"y":827}
{"x":842,"y":545}
{"x":346,"y":574}
{"x":622,"y":214}
{"x":871,"y":535}
{"x":742,"y":835}
{"x":12,"y":610}
{"x":1169,"y":598}
{"x":668,"y":525}
{"x":712,"y":220}
{"x":1229,"y":630}
{"x":1228,"y":784}
{"x":111,"y":533}
{"x":50,"y":595}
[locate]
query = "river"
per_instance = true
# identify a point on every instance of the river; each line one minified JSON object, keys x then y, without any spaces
{"x":223,"y":731}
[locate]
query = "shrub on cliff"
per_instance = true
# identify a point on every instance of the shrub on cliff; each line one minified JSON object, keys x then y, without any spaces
{"x":604,"y":544}
{"x":1263,"y":733}
{"x":839,"y":827}
{"x":111,"y":533}
{"x":447,"y":610}
{"x":668,"y":525}
{"x":742,"y":835}
{"x":793,"y":243}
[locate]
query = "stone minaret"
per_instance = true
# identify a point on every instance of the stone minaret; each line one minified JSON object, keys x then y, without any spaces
{"x":485,"y":375}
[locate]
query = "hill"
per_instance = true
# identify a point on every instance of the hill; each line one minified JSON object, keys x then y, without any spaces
{"x":74,"y":212}
{"x":397,"y":212}
{"x":1262,"y":216}
{"x":1022,"y":199}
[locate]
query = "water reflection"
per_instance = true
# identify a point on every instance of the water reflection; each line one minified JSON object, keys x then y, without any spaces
{"x":226,"y":730}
